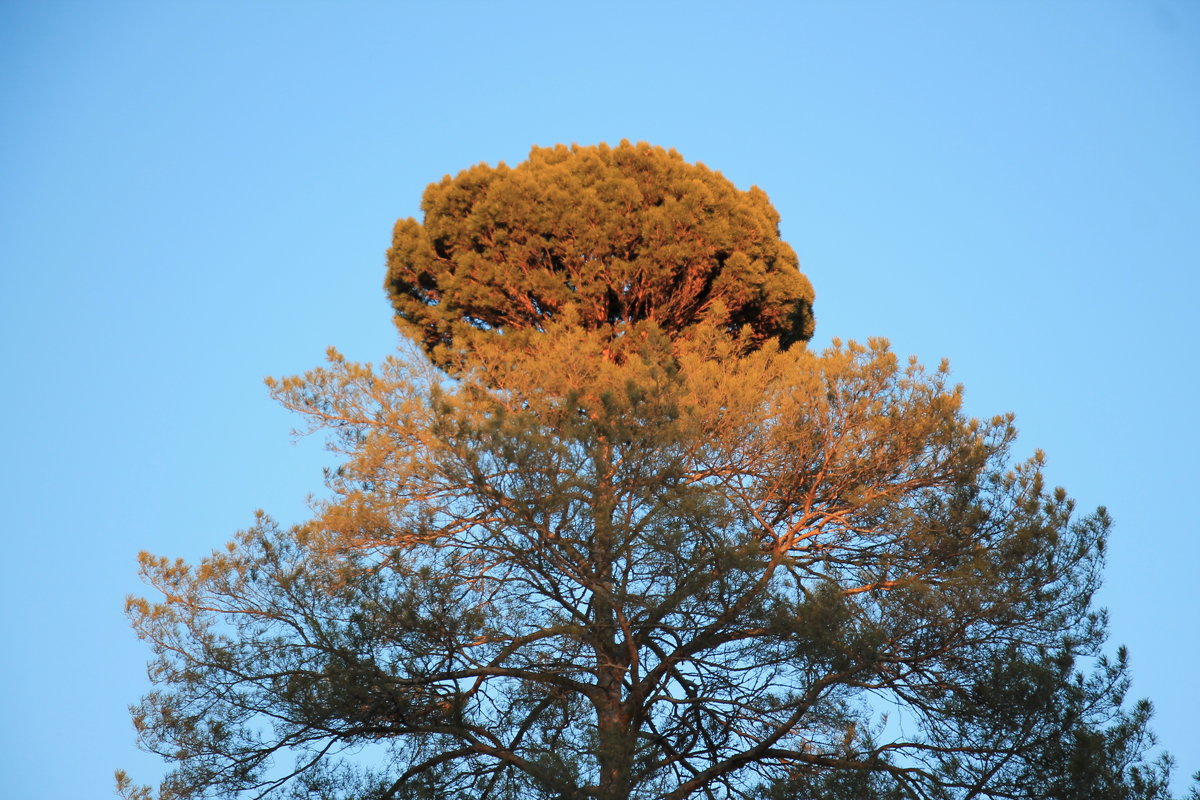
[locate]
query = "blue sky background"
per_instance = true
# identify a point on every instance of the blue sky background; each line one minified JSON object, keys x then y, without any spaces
{"x":196,"y":195}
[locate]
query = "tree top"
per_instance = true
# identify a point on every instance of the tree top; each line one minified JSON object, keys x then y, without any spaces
{"x":611,"y":236}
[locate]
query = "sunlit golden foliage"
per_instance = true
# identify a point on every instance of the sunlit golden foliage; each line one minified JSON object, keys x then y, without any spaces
{"x":621,"y":234}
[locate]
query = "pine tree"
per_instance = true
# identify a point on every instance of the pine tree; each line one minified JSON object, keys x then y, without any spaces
{"x":623,"y":551}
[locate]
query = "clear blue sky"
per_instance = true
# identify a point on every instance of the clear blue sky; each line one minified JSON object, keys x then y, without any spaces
{"x":194,"y":195}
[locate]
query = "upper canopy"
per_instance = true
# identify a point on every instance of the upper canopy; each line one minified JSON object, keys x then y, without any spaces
{"x":620,"y":235}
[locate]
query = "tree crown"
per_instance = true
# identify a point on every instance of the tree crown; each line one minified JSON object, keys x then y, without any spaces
{"x":638,"y":547}
{"x":620,"y":234}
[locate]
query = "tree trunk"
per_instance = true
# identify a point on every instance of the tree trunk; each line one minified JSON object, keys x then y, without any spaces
{"x":615,"y":740}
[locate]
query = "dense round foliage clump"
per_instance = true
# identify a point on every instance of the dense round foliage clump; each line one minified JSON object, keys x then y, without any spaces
{"x":613,"y":236}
